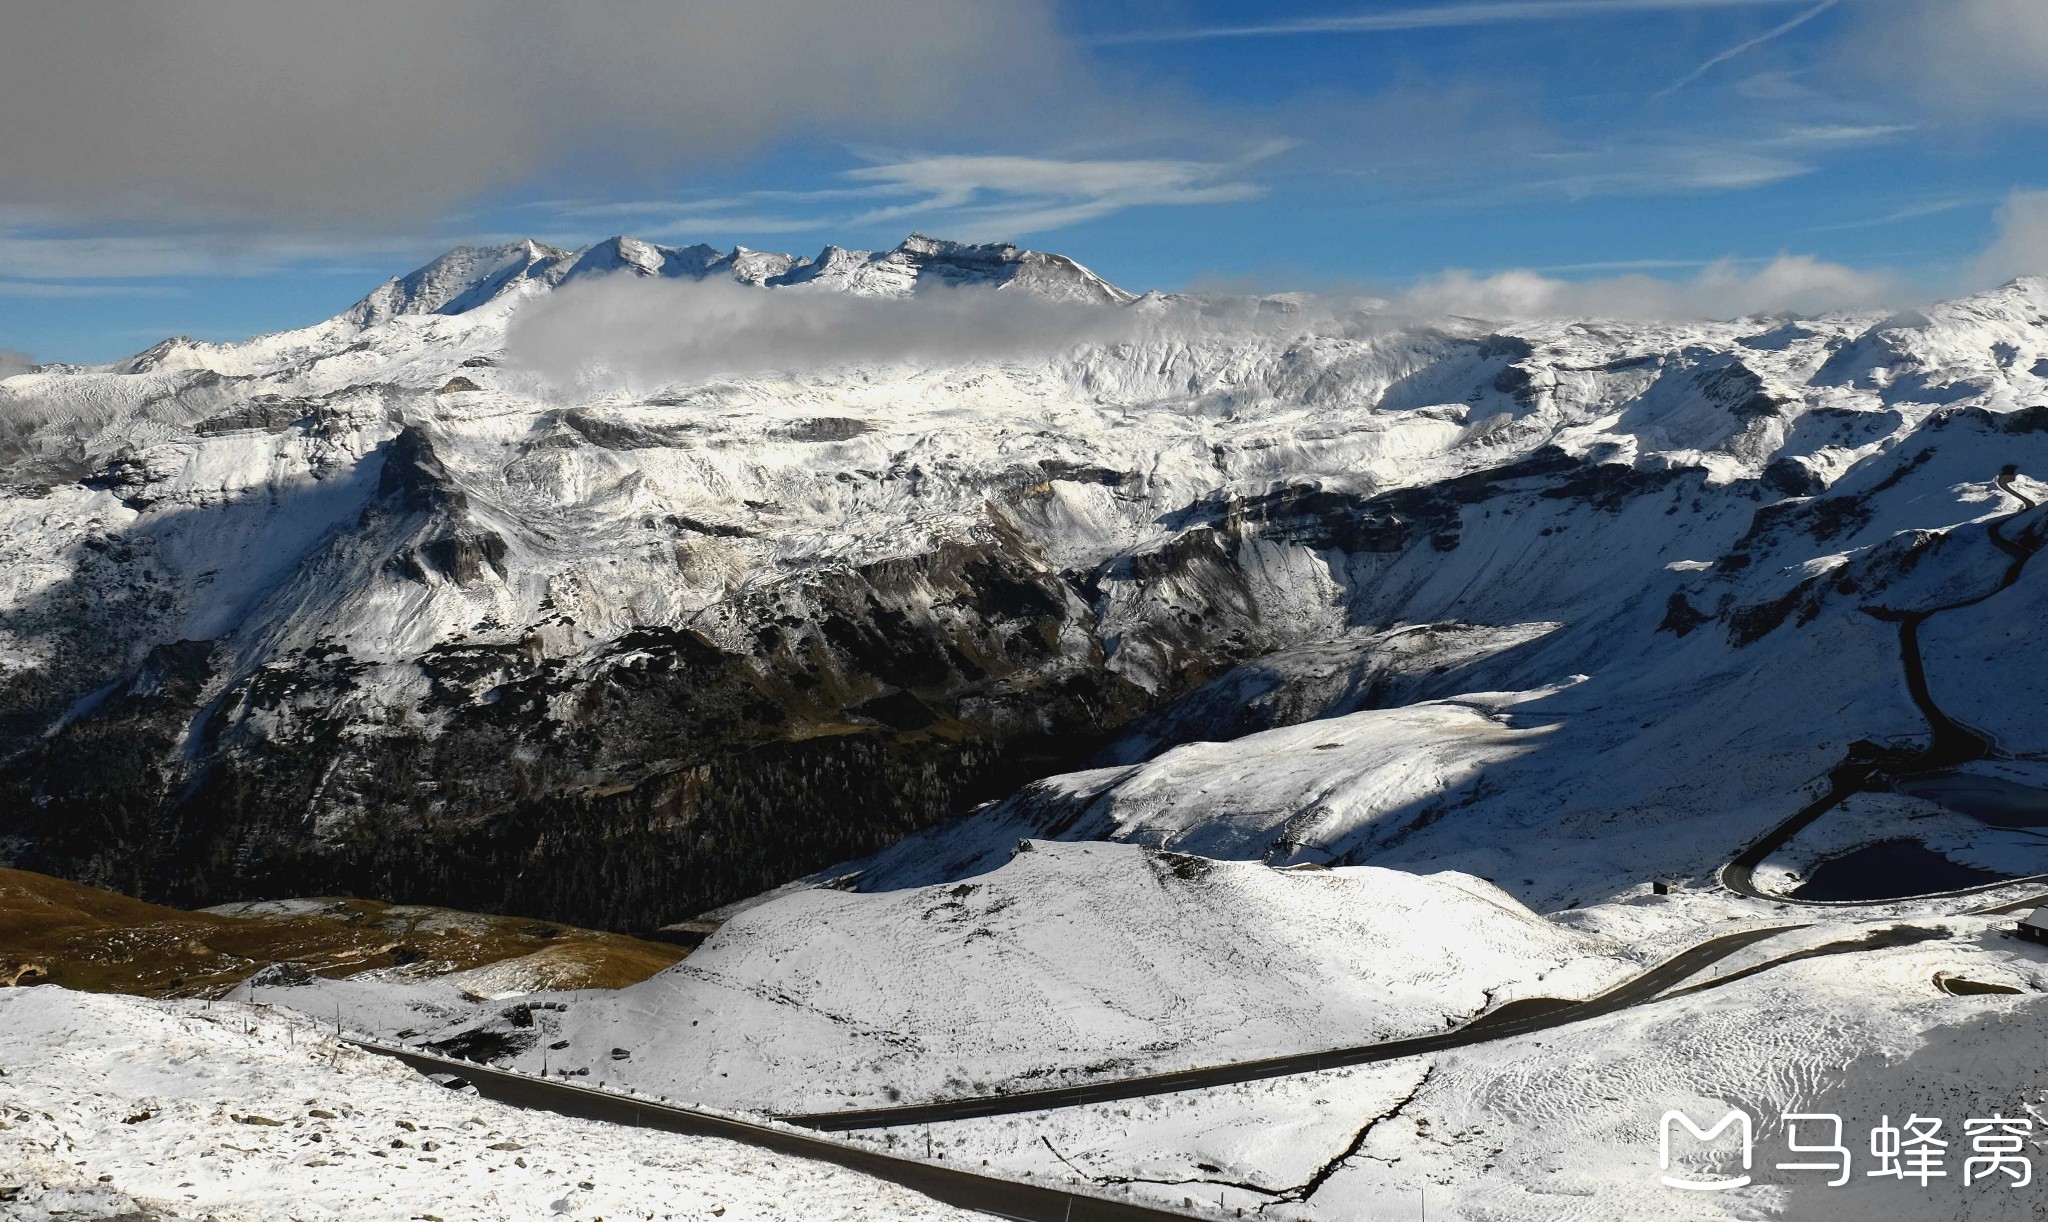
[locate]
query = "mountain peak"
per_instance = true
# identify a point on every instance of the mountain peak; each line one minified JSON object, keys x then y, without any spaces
{"x":459,"y":280}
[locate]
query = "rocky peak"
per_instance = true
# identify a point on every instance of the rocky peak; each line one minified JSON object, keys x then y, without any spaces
{"x":460,"y":280}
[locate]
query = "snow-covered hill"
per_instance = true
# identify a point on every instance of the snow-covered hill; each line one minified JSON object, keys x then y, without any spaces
{"x":119,"y":1108}
{"x":374,"y":606}
{"x":1073,"y":962}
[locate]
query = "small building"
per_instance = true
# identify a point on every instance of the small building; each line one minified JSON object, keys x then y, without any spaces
{"x":2034,"y":925}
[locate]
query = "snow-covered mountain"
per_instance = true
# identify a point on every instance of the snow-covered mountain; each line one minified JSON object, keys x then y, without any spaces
{"x":371,"y":606}
{"x":470,"y":276}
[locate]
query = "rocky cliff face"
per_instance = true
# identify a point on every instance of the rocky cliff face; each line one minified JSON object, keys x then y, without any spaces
{"x":366,"y":607}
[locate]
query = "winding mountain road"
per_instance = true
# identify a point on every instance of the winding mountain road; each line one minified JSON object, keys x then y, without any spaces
{"x":983,"y":1193}
{"x":573,"y":1099}
{"x":1950,"y":745}
{"x":1017,"y":1200}
{"x":1486,"y":1029}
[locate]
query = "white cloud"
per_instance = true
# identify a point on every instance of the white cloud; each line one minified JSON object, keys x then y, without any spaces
{"x":637,"y":334}
{"x":1964,"y":58}
{"x":2021,"y":247}
{"x":12,"y":362}
{"x":623,"y":331}
{"x":297,"y":112}
{"x":1725,"y":289}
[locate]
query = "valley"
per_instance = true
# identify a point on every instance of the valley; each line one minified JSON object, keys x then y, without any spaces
{"x":1213,"y":753}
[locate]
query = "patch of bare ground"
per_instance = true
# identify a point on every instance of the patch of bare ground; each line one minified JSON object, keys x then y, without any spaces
{"x":80,"y":937}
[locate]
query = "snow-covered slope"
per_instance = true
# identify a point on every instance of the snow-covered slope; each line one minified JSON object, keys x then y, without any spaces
{"x":1071,"y":963}
{"x":370,"y":606}
{"x":1564,"y":1124}
{"x":118,"y":1108}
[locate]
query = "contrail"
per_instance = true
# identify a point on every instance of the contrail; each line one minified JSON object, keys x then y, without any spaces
{"x":1435,"y":17}
{"x":1739,"y":48}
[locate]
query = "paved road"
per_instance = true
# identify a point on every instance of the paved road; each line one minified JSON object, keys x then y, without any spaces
{"x":1951,"y":743}
{"x":1634,"y":993}
{"x":1014,"y":1199}
{"x":1005,"y":1198}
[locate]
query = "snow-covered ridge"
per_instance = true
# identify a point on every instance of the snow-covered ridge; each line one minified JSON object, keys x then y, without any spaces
{"x":468,"y":277}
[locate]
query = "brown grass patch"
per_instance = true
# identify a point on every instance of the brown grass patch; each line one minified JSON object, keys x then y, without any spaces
{"x":58,"y":932}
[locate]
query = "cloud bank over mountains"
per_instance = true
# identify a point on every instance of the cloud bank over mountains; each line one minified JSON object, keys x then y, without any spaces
{"x":623,"y":331}
{"x":2021,"y":248}
{"x":629,"y":332}
{"x":1796,"y":283}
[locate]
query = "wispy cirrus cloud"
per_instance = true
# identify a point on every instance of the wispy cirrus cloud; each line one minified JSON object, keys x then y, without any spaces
{"x":1744,"y":47}
{"x":983,"y":197}
{"x":1838,"y":135}
{"x":689,"y":215}
{"x":1013,"y":196}
{"x":1677,"y":165}
{"x":969,"y":197}
{"x":1657,"y":170}
{"x":44,"y":252}
{"x":1912,"y":212}
{"x":1435,"y":17}
{"x":41,"y":290}
{"x":690,"y":226}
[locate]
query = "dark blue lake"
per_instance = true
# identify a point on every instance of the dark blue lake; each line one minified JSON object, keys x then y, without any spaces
{"x":1890,"y":869}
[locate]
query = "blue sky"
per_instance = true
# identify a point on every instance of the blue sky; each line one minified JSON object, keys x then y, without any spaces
{"x":250,"y":170}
